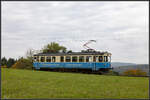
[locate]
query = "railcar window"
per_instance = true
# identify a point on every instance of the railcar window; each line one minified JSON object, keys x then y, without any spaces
{"x":100,"y":58}
{"x":68,"y":58}
{"x":48,"y":59}
{"x":88,"y":59}
{"x":53,"y":59}
{"x":74,"y":59}
{"x":94,"y":58}
{"x":97,"y":60}
{"x":35,"y":58}
{"x":42,"y":59}
{"x":62,"y":59}
{"x":81,"y":58}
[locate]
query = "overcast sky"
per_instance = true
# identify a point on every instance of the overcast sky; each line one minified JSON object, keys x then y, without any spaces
{"x":118,"y":27}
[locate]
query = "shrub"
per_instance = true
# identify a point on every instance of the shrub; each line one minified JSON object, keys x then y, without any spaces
{"x":135,"y":72}
{"x":23,"y":64}
{"x":4,"y":66}
{"x":111,"y":72}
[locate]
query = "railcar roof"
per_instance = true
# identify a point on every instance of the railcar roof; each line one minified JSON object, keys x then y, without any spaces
{"x":72,"y":53}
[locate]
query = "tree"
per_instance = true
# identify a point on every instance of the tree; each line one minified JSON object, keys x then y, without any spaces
{"x":53,"y":48}
{"x":70,"y":51}
{"x":3,"y":61}
{"x":29,"y":54}
{"x":23,"y":63}
{"x":10,"y":62}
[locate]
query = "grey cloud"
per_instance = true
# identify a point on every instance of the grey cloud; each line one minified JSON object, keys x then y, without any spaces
{"x":117,"y":27}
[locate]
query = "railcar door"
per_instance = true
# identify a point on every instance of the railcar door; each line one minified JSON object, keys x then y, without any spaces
{"x":95,"y":59}
{"x":99,"y":62}
{"x":89,"y":62}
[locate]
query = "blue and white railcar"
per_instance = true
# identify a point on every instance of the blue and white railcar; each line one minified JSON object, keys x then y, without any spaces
{"x":94,"y":61}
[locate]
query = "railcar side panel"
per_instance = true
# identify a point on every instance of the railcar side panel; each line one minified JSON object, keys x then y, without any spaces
{"x":84,"y":65}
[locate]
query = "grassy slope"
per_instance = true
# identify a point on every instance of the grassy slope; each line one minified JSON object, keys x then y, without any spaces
{"x":40,"y":84}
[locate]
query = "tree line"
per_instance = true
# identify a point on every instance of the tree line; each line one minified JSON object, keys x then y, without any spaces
{"x":8,"y":62}
{"x":26,"y":62}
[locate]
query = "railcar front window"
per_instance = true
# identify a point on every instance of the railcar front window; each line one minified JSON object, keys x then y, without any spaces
{"x":42,"y":59}
{"x":48,"y":59}
{"x":62,"y":59}
{"x":68,"y":58}
{"x":74,"y":59}
{"x":109,"y":59}
{"x":53,"y":59}
{"x":81,"y":58}
{"x":106,"y":59}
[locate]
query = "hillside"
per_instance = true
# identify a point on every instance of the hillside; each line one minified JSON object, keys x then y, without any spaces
{"x":121,"y":69}
{"x":118,"y":64}
{"x":29,"y":84}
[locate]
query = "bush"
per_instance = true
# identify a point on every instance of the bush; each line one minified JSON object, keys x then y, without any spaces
{"x":110,"y":72}
{"x":135,"y":72}
{"x":23,"y":64}
{"x":4,"y":66}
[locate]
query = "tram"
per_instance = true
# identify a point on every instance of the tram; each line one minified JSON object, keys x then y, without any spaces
{"x":95,"y":61}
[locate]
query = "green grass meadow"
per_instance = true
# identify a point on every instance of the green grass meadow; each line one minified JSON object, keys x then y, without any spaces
{"x":44,"y":84}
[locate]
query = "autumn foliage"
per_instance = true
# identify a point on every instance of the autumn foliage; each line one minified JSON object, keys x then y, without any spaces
{"x":135,"y":72}
{"x":4,"y":66}
{"x":23,"y":64}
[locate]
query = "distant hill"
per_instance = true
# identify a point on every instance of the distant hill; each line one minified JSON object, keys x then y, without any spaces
{"x":121,"y":68}
{"x":118,"y":64}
